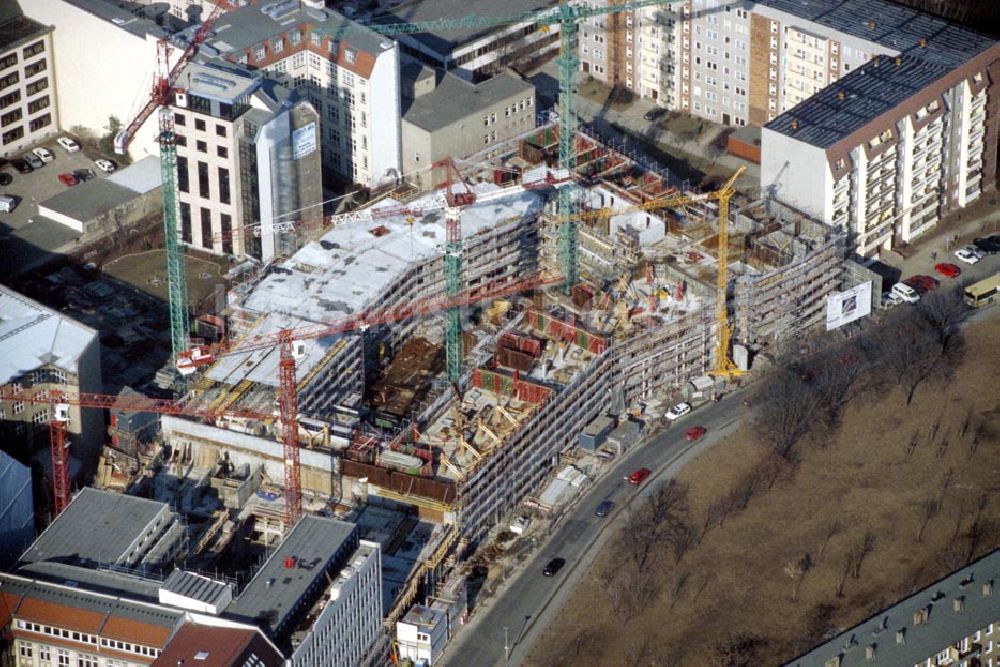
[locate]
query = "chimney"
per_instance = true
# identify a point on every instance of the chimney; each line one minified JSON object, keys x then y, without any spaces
{"x":922,"y":42}
{"x":901,"y":636}
{"x":875,"y":60}
{"x":958,"y":604}
{"x":899,"y":60}
{"x":840,"y":95}
{"x":987,"y":588}
{"x":795,"y":124}
{"x":870,"y":652}
{"x":871,"y":25}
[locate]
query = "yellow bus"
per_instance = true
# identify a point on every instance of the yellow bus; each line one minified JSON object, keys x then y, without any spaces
{"x":983,"y":293}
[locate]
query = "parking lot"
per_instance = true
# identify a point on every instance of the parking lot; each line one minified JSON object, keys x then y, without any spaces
{"x":20,"y":233}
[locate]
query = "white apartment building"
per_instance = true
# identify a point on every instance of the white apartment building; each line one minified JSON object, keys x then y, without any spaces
{"x":349,"y":74}
{"x":98,"y":46}
{"x":247,"y":151}
{"x":28,"y":111}
{"x":886,"y":152}
{"x":348,"y":628}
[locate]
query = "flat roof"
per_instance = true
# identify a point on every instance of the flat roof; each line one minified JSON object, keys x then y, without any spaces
{"x":276,"y":590}
{"x":17,"y":29}
{"x":142,"y":176}
{"x":89,"y":200}
{"x":443,"y":41}
{"x":194,"y":586}
{"x":218,"y":80}
{"x":944,"y":625}
{"x":870,"y":91}
{"x":122,"y":18}
{"x":32,"y":336}
{"x":349,"y":269}
{"x":879,"y":86}
{"x":96,"y":526}
{"x":455,"y":99}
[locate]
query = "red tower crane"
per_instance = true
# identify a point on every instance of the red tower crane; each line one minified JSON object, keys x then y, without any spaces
{"x":61,"y":400}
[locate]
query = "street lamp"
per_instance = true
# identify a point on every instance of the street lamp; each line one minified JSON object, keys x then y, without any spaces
{"x":506,"y":647}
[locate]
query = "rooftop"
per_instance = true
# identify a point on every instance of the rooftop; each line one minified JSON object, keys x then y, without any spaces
{"x":277,"y":588}
{"x":444,"y":41}
{"x":220,"y":81}
{"x":15,"y":28}
{"x":930,"y":48}
{"x":956,"y":607}
{"x":89,"y":200}
{"x":123,"y":18}
{"x":141,"y":176}
{"x":32,"y":336}
{"x":97,"y":526}
{"x":216,"y":644}
{"x":194,"y":586}
{"x":455,"y":99}
{"x":423,"y":617}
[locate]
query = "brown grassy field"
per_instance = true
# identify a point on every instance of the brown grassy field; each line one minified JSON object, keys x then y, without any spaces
{"x":147,"y":271}
{"x":858,"y":480}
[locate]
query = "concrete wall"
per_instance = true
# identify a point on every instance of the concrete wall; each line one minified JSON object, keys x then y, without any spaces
{"x":101,"y":70}
{"x":386,"y":138}
{"x":796,"y":173}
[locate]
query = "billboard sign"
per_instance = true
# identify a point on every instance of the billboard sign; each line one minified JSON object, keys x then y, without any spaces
{"x":303,"y":141}
{"x":845,"y":307}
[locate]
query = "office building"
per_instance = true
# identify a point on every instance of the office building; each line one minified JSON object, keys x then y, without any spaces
{"x":28,"y":109}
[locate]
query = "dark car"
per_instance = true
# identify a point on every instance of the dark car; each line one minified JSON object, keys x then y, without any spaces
{"x":21,"y":165}
{"x":921,"y":284}
{"x":84,"y":175}
{"x":604,"y":508}
{"x":990,"y":244}
{"x":5,"y":178}
{"x":553,"y":566}
{"x":654,"y":113}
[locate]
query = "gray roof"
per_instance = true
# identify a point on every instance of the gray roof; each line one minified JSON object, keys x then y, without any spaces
{"x":122,"y":18}
{"x":15,"y":28}
{"x":85,"y":600}
{"x":455,"y":99}
{"x":141,"y":177}
{"x":218,"y":79}
{"x":97,"y":525}
{"x":823,"y":119}
{"x":276,"y":590}
{"x":195,"y":586}
{"x":248,"y":26}
{"x":105,"y":581}
{"x":444,"y":41}
{"x":89,"y":200}
{"x":944,"y":625}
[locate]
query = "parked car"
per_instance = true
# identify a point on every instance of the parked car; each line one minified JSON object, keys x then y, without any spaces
{"x":22,"y":165}
{"x":970,"y":254}
{"x":891,"y":300}
{"x":905,"y":292}
{"x":988,"y":244}
{"x":553,"y":566}
{"x":639,"y":475}
{"x":695,"y":433}
{"x":926,"y":283}
{"x":33,"y":160}
{"x":84,"y":175}
{"x":107,"y":166}
{"x":44,"y":154}
{"x":654,"y":114}
{"x":67,"y":143}
{"x":7,"y":203}
{"x":678,"y":411}
{"x":948,"y":270}
{"x":68,"y":179}
{"x":5,"y":178}
{"x":604,"y":508}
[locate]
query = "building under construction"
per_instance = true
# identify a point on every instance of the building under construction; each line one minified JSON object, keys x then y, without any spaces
{"x":377,"y":417}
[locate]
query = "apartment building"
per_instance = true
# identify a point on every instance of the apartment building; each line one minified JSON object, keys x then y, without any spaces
{"x":474,"y":52}
{"x":348,"y":74}
{"x":954,"y":621}
{"x":887,"y":151}
{"x":247,"y":151}
{"x":40,"y":349}
{"x":447,"y":116}
{"x":28,"y":110}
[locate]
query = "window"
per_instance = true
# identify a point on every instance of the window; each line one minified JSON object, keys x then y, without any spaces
{"x":34,"y":87}
{"x":18,"y":407}
{"x":351,"y":55}
{"x":44,"y":656}
{"x":203,"y":190}
{"x":199,"y":124}
{"x":201,"y":146}
{"x":9,"y":80}
{"x":206,"y":228}
{"x":40,"y":122}
{"x":316,"y":39}
{"x":62,"y":656}
{"x":220,"y":130}
{"x":33,"y":49}
{"x":277,"y":45}
{"x":24,"y":649}
{"x":10,"y":98}
{"x":185,"y":222}
{"x":227,"y":228}
{"x":12,"y":135}
{"x":11,"y":117}
{"x":180,"y":120}
{"x":34,"y":68}
{"x":258,"y":53}
{"x":183,"y":181}
{"x":222,"y":151}
{"x":224,"y":195}
{"x":9,"y":61}
{"x":295,"y":36}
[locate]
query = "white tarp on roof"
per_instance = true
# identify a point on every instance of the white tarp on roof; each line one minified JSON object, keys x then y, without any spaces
{"x":32,"y":335}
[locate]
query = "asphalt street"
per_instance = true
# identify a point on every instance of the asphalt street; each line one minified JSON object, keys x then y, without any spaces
{"x":527,"y":601}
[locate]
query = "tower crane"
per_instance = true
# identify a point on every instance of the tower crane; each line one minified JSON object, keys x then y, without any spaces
{"x":159,"y":99}
{"x":60,"y":402}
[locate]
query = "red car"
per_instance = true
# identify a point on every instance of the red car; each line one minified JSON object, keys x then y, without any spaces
{"x":948,"y":270}
{"x":922,"y":284}
{"x":639,"y":475}
{"x":695,"y":433}
{"x":68,"y":179}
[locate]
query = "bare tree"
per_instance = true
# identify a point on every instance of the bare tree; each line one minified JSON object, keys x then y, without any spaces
{"x":910,"y":353}
{"x":931,"y":507}
{"x":785,"y":408}
{"x":835,"y":378}
{"x":859,"y":551}
{"x":943,"y":310}
{"x":738,"y":650}
{"x":796,"y":571}
{"x":832,"y":528}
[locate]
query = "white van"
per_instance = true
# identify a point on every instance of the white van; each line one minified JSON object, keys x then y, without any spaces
{"x":905,"y":292}
{"x":7,"y":203}
{"x":67,"y":143}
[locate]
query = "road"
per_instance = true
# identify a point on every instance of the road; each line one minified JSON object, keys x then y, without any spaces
{"x":528,"y":599}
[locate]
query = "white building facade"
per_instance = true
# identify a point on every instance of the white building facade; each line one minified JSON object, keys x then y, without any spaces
{"x":28,"y":110}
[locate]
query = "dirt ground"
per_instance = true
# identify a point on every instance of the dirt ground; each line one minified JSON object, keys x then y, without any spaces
{"x":147,"y":271}
{"x":860,"y":480}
